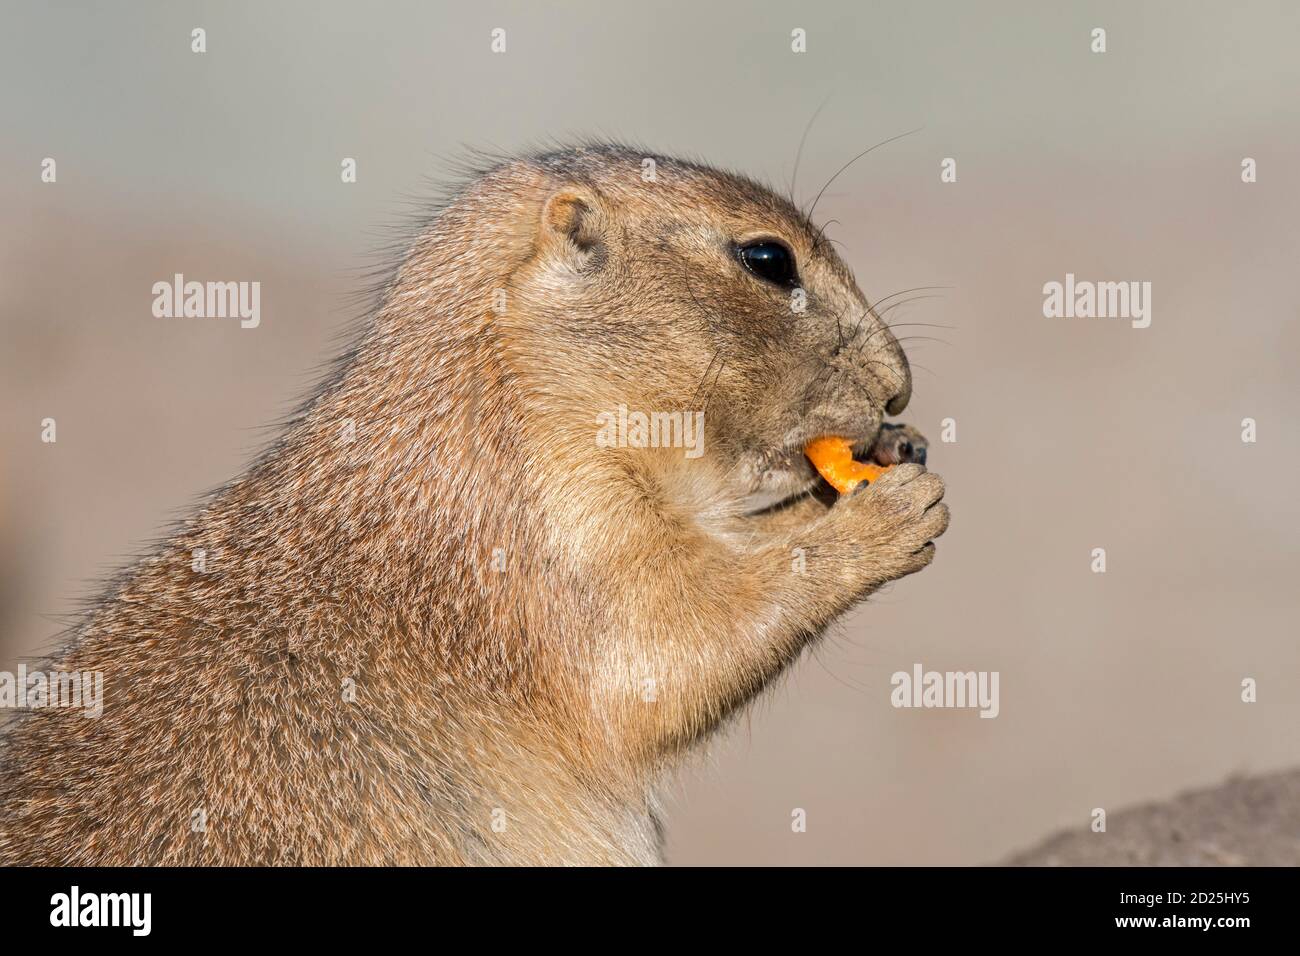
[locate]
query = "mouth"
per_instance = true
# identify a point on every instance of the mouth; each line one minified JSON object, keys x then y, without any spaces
{"x":787,"y":476}
{"x":844,"y":459}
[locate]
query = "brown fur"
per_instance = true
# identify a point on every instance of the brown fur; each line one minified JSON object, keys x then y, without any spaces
{"x":517,"y":694}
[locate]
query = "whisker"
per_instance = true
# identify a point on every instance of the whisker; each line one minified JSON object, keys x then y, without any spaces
{"x":839,"y":171}
{"x":922,"y":325}
{"x":902,"y":302}
{"x":798,"y":155}
{"x":922,"y":338}
{"x":919,"y":288}
{"x":821,"y":232}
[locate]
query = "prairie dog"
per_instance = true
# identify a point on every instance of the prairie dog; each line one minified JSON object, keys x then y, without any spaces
{"x":464,"y":611}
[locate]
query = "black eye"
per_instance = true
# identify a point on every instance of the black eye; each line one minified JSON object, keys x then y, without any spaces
{"x":770,"y":261}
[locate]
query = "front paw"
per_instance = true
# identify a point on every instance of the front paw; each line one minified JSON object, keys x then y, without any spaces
{"x":895,"y":520}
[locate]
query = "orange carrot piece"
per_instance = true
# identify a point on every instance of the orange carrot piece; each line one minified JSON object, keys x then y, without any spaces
{"x":832,"y":456}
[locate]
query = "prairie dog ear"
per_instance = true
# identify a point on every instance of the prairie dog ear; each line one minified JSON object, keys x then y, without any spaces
{"x":573,"y":228}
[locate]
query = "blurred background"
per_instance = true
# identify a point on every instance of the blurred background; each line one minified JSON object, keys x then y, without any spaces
{"x":1071,"y":434}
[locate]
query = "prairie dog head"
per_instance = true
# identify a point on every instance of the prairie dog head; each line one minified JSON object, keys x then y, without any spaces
{"x":677,"y":290}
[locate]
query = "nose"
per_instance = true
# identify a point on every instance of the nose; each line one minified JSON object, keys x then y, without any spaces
{"x":904,"y":395}
{"x":894,"y":372}
{"x":885,"y":362}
